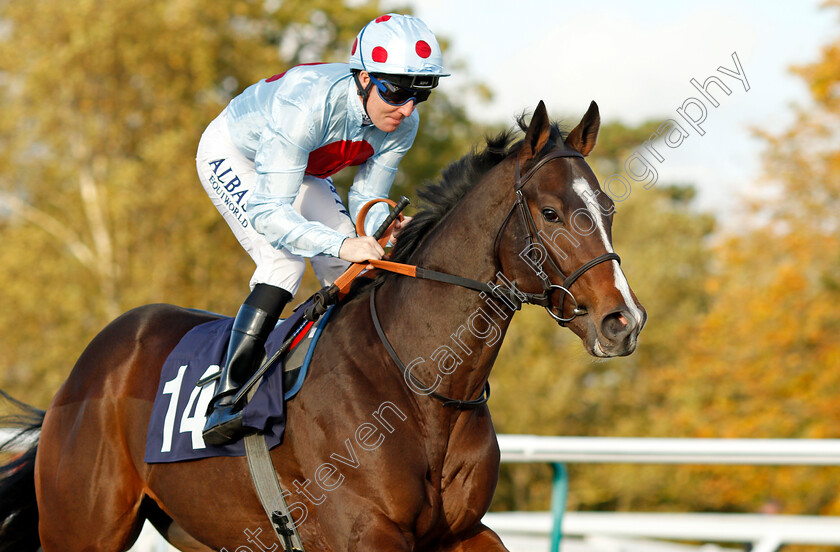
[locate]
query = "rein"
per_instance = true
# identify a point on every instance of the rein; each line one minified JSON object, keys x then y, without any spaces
{"x":511,"y":296}
{"x":407,"y":375}
{"x":544,"y":299}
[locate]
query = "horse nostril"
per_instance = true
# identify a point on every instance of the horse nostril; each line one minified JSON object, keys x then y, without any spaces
{"x":616,"y":326}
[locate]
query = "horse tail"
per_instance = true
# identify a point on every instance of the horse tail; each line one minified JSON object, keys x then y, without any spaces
{"x":18,"y":508}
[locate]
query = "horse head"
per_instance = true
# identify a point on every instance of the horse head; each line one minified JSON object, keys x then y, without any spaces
{"x":556,"y":244}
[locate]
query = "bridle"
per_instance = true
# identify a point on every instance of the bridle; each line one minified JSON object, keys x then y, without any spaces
{"x":510,"y":295}
{"x":544,"y":299}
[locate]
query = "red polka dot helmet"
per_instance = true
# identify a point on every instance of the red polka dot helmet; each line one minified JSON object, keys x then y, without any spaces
{"x":397,"y":44}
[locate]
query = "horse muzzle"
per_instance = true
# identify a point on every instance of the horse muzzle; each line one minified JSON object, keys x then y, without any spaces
{"x":614,"y":334}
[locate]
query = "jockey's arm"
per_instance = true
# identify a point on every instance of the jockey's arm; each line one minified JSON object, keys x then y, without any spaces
{"x":374,"y":179}
{"x":280,"y":165}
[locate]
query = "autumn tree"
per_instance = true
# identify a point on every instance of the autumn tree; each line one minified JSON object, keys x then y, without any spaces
{"x":102,"y":105}
{"x":544,"y":381}
{"x":741,"y":342}
{"x":763,"y":361}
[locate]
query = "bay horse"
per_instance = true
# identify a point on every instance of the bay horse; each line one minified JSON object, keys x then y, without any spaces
{"x":374,"y":462}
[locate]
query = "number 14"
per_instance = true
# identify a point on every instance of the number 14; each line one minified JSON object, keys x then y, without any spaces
{"x":199,"y":398}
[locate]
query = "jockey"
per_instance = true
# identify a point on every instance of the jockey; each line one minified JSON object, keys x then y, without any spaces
{"x":266,"y":163}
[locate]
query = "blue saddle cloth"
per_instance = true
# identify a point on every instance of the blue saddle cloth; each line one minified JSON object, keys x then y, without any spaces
{"x":179,"y":411}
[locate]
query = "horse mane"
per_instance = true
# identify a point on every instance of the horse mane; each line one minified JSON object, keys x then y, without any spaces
{"x":440,"y":197}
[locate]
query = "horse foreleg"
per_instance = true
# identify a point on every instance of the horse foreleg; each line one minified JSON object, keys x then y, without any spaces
{"x":372,"y":532}
{"x":183,"y":541}
{"x":482,"y":539}
{"x":171,"y":531}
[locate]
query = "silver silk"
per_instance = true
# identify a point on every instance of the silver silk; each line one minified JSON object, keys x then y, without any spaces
{"x":309,"y":120}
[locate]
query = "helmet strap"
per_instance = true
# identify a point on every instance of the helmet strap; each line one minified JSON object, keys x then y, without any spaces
{"x":364,"y":92}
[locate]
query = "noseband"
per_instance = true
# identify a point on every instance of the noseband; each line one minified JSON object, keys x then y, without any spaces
{"x":544,"y":299}
{"x":511,"y":294}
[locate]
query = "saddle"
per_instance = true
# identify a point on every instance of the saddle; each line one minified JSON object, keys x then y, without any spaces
{"x":184,"y":388}
{"x":187,"y":385}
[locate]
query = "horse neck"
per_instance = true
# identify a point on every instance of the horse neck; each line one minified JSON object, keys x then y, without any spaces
{"x":445,"y":332}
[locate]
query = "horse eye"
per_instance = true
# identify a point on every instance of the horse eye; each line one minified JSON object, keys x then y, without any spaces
{"x":550,"y":214}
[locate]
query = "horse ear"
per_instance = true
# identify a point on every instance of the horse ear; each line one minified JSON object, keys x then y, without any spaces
{"x":583,"y":137}
{"x":537,"y":135}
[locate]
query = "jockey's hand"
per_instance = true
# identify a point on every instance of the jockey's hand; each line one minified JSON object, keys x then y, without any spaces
{"x":398,"y":227}
{"x":361,"y":249}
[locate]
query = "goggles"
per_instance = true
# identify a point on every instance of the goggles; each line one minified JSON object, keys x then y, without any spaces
{"x":397,"y":95}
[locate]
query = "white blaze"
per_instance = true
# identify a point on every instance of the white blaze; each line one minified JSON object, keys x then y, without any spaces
{"x":582,"y":189}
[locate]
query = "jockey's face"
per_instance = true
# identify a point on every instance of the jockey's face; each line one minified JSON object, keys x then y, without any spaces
{"x":385,"y":117}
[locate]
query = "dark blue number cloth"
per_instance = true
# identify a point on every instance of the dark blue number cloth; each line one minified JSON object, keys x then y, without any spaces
{"x":179,"y":412}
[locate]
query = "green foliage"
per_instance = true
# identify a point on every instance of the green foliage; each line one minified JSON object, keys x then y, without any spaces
{"x":102,"y":108}
{"x":741,"y":339}
{"x":546,"y":384}
{"x":763,"y":360}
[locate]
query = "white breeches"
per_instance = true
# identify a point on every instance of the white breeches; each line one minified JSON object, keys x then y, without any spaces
{"x":228,"y":185}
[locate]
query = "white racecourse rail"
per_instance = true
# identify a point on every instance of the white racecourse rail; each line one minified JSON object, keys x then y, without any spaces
{"x":767,"y":532}
{"x":646,"y":450}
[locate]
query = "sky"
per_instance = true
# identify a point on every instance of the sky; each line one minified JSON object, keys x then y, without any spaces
{"x":636,"y":60}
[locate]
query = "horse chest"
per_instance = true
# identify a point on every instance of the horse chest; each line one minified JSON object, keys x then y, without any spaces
{"x":468,"y":475}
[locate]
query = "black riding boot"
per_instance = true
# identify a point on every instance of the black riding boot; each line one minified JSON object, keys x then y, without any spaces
{"x":254,"y":322}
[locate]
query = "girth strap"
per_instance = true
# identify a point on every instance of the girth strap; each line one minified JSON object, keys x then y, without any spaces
{"x":454,"y":403}
{"x":270,"y":493}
